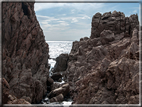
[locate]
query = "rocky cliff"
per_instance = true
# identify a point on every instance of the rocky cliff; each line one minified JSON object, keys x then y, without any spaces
{"x":104,"y":69}
{"x":24,"y":52}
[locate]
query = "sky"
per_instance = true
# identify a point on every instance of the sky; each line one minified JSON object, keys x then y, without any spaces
{"x":72,"y":21}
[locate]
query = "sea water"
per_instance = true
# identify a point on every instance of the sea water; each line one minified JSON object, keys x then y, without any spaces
{"x":56,"y":48}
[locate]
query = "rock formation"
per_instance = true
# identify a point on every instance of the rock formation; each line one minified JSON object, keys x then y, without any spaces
{"x":56,"y":77}
{"x":58,"y":92}
{"x":61,"y":63}
{"x":104,"y":69}
{"x":7,"y":97}
{"x":115,"y":21}
{"x":25,"y":52}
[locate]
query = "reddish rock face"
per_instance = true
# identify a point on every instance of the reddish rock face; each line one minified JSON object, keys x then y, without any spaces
{"x":25,"y":52}
{"x":7,"y":98}
{"x":61,"y":63}
{"x":115,"y":21}
{"x":104,"y":69}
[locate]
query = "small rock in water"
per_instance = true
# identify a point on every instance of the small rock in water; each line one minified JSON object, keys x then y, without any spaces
{"x":64,"y":89}
{"x":61,"y":63}
{"x":58,"y":98}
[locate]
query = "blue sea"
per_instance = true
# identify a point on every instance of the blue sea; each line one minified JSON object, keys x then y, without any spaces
{"x":56,"y":48}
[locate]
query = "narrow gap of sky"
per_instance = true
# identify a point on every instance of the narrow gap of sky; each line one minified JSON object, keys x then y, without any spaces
{"x":72,"y":21}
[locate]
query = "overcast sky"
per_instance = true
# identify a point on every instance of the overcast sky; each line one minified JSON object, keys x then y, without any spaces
{"x":72,"y":21}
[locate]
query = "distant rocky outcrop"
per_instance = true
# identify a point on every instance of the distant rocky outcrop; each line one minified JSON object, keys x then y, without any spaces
{"x":115,"y":21}
{"x":61,"y":63}
{"x":104,"y":69}
{"x":24,"y":52}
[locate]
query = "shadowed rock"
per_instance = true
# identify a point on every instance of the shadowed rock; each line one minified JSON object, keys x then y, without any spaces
{"x":61,"y":63}
{"x":64,"y":90}
{"x":25,"y":52}
{"x":8,"y":98}
{"x":56,"y":76}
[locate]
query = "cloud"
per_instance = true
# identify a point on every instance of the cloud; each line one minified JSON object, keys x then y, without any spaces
{"x":135,"y":11}
{"x":71,"y":21}
{"x":41,"y":6}
{"x":74,"y":20}
{"x":64,"y":28}
{"x":86,"y":17}
{"x":78,"y":6}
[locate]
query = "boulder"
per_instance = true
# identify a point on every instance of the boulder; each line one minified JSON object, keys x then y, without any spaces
{"x":61,"y":63}
{"x":64,"y":89}
{"x":58,"y":98}
{"x":56,"y":76}
{"x":55,"y":85}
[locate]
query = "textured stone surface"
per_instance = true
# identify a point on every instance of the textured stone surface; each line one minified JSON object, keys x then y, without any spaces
{"x":7,"y":98}
{"x":104,"y":69}
{"x":58,"y":98}
{"x":56,"y":76}
{"x":61,"y":63}
{"x":63,"y":89}
{"x":115,"y":21}
{"x":25,"y":52}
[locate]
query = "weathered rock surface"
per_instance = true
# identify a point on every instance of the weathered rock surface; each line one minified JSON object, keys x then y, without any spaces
{"x":7,"y":98}
{"x":61,"y":63}
{"x":59,"y":92}
{"x":104,"y":69}
{"x":56,"y":76}
{"x":25,"y":52}
{"x":115,"y":21}
{"x":58,"y":98}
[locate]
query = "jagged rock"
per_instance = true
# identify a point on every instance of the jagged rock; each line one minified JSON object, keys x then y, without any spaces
{"x":25,"y":52}
{"x":61,"y":63}
{"x":106,"y":36}
{"x":104,"y":69}
{"x":64,"y":89}
{"x":55,"y":85}
{"x":7,"y":98}
{"x":115,"y":21}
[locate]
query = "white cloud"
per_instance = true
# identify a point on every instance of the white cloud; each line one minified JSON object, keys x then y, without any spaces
{"x":41,"y":6}
{"x":86,"y":17}
{"x":79,"y":6}
{"x":135,"y":11}
{"x":73,"y":25}
{"x":74,"y":20}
